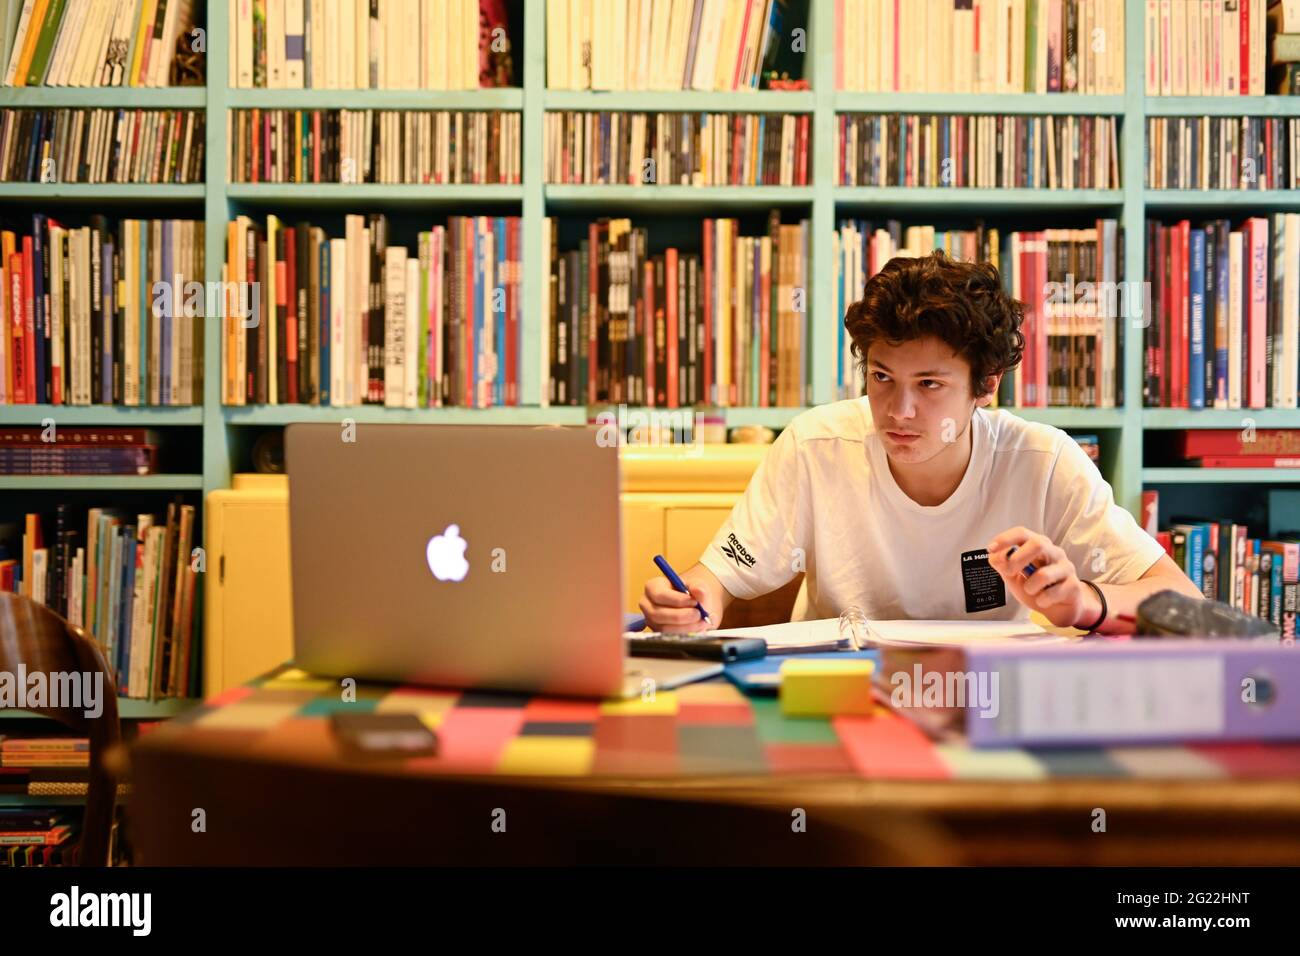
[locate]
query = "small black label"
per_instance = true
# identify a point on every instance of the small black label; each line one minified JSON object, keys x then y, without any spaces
{"x":983,"y":586}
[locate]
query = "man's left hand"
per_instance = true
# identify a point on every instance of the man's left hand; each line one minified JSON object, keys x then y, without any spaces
{"x":1054,"y":588}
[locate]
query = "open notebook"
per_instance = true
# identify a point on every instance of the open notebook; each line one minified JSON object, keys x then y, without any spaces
{"x":824,"y":635}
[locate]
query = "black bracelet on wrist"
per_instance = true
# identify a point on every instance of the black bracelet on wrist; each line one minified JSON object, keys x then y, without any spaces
{"x":1102,"y":598}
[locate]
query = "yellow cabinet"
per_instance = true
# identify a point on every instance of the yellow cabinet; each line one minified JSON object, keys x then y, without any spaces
{"x":674,"y":501}
{"x":248,"y":627}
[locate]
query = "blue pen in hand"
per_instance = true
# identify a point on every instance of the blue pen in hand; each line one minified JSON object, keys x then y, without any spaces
{"x":678,"y":584}
{"x":639,"y":623}
{"x":1029,"y":568}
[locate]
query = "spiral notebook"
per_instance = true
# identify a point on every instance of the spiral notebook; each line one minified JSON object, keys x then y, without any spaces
{"x":825,"y":635}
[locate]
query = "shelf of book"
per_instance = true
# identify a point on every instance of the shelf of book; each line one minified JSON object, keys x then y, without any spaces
{"x":986,"y":200}
{"x":272,"y":415}
{"x":822,"y":202}
{"x":1222,"y":106}
{"x":1179,"y":418}
{"x":115,"y":415}
{"x":101,"y":482}
{"x":1057,"y":104}
{"x":315,"y":99}
{"x":685,"y":101}
{"x":355,"y":195}
{"x":773,"y":417}
{"x":117,"y":193}
{"x":1247,"y":201}
{"x":1231,"y":476}
{"x":672,"y":198}
{"x":123,"y":97}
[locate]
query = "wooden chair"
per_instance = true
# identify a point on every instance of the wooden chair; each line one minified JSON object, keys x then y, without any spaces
{"x":43,"y":642}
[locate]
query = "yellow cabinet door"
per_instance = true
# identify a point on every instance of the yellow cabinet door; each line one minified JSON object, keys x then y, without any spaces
{"x":643,"y":538}
{"x":250,"y":616}
{"x":677,"y":525}
{"x":688,"y":531}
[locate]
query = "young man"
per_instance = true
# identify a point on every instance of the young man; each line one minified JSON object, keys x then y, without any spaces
{"x":907,"y":502}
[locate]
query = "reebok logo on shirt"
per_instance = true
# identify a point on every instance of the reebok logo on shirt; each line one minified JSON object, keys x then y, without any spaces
{"x":736,"y":551}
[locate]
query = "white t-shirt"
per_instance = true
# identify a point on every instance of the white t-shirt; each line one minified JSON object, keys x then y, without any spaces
{"x":824,"y":501}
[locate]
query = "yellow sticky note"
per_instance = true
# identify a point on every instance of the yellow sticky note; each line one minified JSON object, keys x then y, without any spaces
{"x":559,"y":756}
{"x":824,"y":688}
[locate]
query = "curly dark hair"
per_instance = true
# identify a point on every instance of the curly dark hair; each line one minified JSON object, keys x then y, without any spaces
{"x":961,"y":303}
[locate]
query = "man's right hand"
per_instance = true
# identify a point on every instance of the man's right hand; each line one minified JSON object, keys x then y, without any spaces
{"x":668,"y":610}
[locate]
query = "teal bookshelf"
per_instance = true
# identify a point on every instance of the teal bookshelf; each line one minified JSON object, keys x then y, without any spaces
{"x":352,"y":195}
{"x":216,"y":200}
{"x":926,"y":199}
{"x":119,"y":415}
{"x":98,"y":193}
{"x":1279,"y":200}
{"x":1007,"y":103}
{"x":127,"y":709}
{"x":1235,"y":476}
{"x":106,"y":482}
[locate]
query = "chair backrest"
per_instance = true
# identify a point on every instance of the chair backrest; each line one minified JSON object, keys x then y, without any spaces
{"x":42,"y":642}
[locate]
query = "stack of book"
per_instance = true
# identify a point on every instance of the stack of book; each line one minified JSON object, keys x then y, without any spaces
{"x":353,"y":320}
{"x":35,"y":836}
{"x":1223,"y":322}
{"x":991,"y":152}
{"x":364,"y":44}
{"x":1091,"y":446}
{"x":129,"y":580}
{"x":1069,"y":280}
{"x":1284,"y":49}
{"x":1072,"y":283}
{"x":980,"y":46}
{"x":690,"y":149}
{"x":725,"y":327}
{"x":77,"y":451}
{"x":102,"y":316}
{"x":92,"y":42}
{"x":1205,"y":47}
{"x":1241,"y":448}
{"x":101,"y":146}
{"x":44,"y":752}
{"x":373,"y":146}
{"x":1258,"y":576}
{"x":1223,"y":152}
{"x":669,"y":44}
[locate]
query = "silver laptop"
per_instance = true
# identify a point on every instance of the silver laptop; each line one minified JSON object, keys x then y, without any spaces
{"x":463,"y":556}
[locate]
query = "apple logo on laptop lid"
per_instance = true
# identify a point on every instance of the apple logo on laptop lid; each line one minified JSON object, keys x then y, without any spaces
{"x":446,"y":555}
